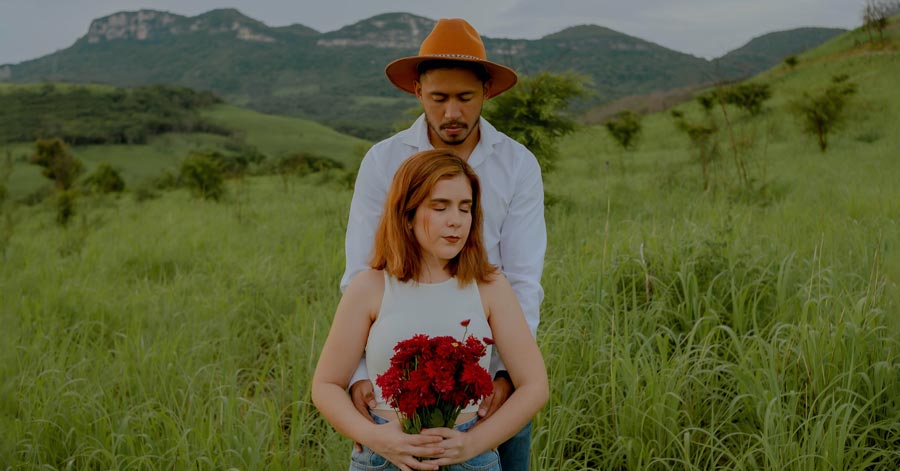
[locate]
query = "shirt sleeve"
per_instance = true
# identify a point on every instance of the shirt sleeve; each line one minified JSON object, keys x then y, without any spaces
{"x":523,"y":243}
{"x":366,"y":206}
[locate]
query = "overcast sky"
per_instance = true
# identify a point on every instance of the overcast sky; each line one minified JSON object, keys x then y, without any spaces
{"x":704,"y":28}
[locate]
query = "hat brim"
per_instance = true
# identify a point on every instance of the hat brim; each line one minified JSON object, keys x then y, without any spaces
{"x":403,"y":73}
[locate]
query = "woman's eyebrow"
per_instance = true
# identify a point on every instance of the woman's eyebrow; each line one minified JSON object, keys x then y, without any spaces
{"x":447,"y":200}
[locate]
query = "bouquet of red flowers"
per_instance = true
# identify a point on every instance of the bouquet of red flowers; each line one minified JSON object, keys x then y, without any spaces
{"x":431,"y":379}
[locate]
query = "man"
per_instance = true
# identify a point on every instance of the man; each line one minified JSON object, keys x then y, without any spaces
{"x":452,"y":78}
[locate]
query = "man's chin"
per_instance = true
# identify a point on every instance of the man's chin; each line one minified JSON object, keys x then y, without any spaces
{"x":454,"y":140}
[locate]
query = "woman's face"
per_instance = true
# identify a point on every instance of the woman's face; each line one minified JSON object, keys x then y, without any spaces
{"x":442,"y":222}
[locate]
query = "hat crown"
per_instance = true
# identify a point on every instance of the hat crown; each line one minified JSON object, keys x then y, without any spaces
{"x":453,"y":37}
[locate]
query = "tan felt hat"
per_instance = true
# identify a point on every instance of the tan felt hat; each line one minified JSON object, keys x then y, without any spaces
{"x":451,"y":39}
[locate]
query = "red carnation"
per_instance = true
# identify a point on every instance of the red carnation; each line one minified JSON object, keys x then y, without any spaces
{"x":431,"y":379}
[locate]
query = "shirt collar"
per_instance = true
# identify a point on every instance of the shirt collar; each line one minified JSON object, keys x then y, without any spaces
{"x":417,"y":137}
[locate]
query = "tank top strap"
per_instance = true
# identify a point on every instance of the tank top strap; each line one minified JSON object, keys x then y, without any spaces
{"x":389,"y":288}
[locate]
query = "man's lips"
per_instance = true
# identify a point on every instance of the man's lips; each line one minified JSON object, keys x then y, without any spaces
{"x":453,"y":127}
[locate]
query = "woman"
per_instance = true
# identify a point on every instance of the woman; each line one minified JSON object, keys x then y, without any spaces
{"x":429,"y":272}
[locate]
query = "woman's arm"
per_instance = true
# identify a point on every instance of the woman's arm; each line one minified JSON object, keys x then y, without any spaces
{"x":343,"y":348}
{"x":525,"y":365}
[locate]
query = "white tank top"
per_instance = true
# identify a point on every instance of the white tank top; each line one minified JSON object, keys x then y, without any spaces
{"x":420,"y":308}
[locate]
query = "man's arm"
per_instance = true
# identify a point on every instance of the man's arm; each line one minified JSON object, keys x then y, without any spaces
{"x":366,"y":206}
{"x":523,"y":243}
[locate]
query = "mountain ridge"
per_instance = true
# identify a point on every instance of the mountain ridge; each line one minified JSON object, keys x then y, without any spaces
{"x":337,"y":77}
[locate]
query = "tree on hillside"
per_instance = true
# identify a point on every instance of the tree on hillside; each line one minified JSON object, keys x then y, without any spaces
{"x":534,"y":113}
{"x":63,"y":169}
{"x":703,"y":138}
{"x":823,"y":113}
{"x":791,"y":62}
{"x":876,"y":15}
{"x":7,"y":224}
{"x":625,"y":128}
{"x":748,"y":96}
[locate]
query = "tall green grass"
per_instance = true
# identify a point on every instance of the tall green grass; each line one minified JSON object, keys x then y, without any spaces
{"x":681,"y":329}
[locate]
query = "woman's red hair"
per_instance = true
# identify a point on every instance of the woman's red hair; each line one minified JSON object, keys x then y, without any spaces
{"x":396,"y":249}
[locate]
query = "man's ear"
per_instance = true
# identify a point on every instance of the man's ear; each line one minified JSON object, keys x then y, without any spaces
{"x":487,"y":89}
{"x":418,"y":88}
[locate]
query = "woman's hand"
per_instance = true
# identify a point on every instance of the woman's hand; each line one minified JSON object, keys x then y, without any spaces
{"x":457,"y":446}
{"x":402,"y":449}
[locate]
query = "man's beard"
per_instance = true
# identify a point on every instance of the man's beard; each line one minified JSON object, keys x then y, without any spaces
{"x":466,"y":131}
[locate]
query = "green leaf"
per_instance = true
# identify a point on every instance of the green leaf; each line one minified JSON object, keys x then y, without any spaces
{"x":435,"y":419}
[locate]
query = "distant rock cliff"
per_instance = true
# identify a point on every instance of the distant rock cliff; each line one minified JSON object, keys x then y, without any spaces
{"x":146,"y":25}
{"x":390,"y":31}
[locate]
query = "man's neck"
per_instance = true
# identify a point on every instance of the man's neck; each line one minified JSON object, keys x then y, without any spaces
{"x":463,"y":149}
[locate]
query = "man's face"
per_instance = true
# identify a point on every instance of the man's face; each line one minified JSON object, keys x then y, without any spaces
{"x":452,"y":101}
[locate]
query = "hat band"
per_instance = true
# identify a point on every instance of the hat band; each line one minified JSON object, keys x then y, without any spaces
{"x":456,"y":56}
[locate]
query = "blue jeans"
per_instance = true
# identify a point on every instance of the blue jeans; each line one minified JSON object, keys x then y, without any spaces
{"x":515,"y":453}
{"x":367,"y":460}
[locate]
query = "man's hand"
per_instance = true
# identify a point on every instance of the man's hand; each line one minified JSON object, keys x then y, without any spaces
{"x":503,"y":387}
{"x":362,"y":393}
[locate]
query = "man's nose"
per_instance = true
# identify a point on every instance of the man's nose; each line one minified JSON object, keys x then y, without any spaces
{"x":452,"y":110}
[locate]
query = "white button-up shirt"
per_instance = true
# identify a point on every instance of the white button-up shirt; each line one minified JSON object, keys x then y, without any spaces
{"x":512,"y":197}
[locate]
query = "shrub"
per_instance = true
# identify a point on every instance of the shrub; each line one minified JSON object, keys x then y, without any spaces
{"x":57,"y":162}
{"x":65,"y":206}
{"x":791,"y":61}
{"x":105,"y":179}
{"x":203,"y":175}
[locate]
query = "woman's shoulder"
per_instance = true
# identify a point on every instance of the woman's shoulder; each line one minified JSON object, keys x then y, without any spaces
{"x":367,"y":283}
{"x":496,"y":284}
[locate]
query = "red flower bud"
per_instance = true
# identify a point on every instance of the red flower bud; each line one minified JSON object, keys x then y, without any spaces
{"x":465,"y":323}
{"x":488,"y":340}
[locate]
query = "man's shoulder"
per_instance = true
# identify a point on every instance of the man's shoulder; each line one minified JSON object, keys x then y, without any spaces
{"x":508,"y":144}
{"x":511,"y":150}
{"x":396,"y":147}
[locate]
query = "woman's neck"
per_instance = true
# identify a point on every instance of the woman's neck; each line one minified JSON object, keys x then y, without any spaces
{"x":433,"y":273}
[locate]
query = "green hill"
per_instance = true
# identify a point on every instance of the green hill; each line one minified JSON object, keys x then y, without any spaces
{"x":337,"y":77}
{"x":84,"y":117}
{"x":768,"y":50}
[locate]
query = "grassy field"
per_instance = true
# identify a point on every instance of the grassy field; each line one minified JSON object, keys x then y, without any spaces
{"x":745,"y":328}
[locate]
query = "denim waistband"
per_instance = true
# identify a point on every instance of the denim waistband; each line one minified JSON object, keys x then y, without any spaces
{"x":463,"y":427}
